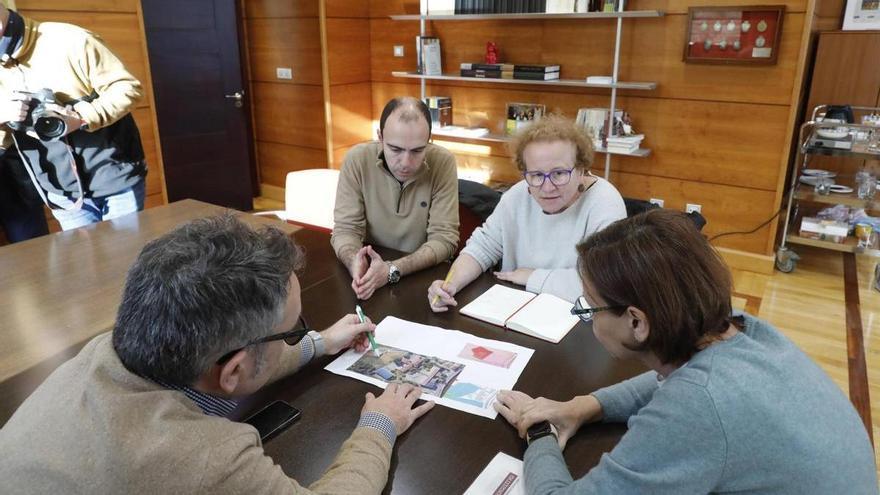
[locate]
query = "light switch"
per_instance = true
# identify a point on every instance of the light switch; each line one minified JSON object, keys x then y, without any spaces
{"x":398,"y":50}
{"x":284,"y":72}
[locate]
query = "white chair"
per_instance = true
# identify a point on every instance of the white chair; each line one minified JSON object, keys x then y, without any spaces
{"x":309,"y":198}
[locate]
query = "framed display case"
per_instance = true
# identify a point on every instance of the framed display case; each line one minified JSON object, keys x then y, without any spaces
{"x":733,"y":35}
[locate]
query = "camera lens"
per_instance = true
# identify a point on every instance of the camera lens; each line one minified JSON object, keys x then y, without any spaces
{"x":49,"y":128}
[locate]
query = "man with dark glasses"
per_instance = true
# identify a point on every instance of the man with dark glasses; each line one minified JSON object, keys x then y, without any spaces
{"x":210,"y":312}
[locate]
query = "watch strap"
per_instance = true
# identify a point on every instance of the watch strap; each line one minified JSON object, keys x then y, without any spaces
{"x":318,"y":342}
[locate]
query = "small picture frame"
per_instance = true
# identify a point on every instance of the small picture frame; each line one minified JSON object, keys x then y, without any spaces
{"x":428,"y":56}
{"x":861,"y":15}
{"x":520,"y":115}
{"x":733,"y":35}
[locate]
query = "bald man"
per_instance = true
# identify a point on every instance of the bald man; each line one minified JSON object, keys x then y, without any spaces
{"x":399,"y":192}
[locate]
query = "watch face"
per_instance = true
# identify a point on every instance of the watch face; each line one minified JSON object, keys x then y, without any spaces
{"x":537,"y":429}
{"x":393,"y":275}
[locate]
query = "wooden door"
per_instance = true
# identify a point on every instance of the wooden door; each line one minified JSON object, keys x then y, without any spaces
{"x":201,"y":101}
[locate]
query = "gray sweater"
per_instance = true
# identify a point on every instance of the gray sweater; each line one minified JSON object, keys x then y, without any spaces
{"x":520,"y":235}
{"x":752,"y":414}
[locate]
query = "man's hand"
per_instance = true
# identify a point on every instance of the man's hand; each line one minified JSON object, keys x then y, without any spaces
{"x":397,"y":403}
{"x":359,"y":264}
{"x":347,"y":332}
{"x":522,"y":411}
{"x":520,"y":276}
{"x":13,"y":109}
{"x":444,"y":296}
{"x":375,"y":277}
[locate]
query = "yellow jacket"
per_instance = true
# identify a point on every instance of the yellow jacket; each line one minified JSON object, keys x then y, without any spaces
{"x":74,"y":63}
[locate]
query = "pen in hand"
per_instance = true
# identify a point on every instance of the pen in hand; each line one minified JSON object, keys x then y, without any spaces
{"x":363,"y":319}
{"x":445,"y":284}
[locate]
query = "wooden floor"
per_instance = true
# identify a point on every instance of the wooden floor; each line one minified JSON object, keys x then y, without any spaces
{"x":808,"y":306}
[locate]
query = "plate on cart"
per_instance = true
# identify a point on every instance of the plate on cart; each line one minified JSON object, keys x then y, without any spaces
{"x":810,"y":180}
{"x":818,"y":172}
{"x":837,"y":188}
{"x":835,"y":133}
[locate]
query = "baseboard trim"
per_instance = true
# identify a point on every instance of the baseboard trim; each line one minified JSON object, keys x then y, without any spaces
{"x":269,"y":191}
{"x":743,"y":260}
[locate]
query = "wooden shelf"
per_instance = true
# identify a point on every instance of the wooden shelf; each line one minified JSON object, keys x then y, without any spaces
{"x":807,"y":193}
{"x":501,"y":138}
{"x":849,"y":245}
{"x":533,"y":15}
{"x":581,"y":83}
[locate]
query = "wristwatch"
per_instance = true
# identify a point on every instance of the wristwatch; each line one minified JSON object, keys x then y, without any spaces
{"x":317,"y":341}
{"x":393,"y":274}
{"x":539,"y":430}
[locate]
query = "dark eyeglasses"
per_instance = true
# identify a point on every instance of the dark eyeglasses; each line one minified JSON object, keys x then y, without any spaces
{"x":558,"y":177}
{"x":290,"y":337}
{"x":583,"y":310}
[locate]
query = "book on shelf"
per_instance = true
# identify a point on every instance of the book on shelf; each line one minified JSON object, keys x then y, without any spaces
{"x":482,"y":66}
{"x":487,"y":74}
{"x":542,"y":316}
{"x":536,"y":76}
{"x":559,"y":6}
{"x":428,"y":58}
{"x":540,"y":68}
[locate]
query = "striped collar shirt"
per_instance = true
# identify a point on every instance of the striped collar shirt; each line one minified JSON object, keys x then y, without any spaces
{"x":209,"y":404}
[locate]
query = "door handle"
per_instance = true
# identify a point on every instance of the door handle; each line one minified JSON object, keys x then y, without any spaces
{"x":238,"y":96}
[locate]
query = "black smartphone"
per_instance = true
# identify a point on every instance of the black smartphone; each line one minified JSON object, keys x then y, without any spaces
{"x":273,"y":419}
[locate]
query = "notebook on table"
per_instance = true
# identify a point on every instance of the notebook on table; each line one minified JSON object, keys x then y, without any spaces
{"x":543,"y":316}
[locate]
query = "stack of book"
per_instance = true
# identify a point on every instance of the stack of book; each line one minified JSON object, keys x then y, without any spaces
{"x":533,"y":72}
{"x":624,"y":144}
{"x":499,"y":6}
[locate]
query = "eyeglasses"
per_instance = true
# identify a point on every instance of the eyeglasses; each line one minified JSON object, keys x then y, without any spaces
{"x":558,"y":177}
{"x":583,"y":310}
{"x":290,"y":337}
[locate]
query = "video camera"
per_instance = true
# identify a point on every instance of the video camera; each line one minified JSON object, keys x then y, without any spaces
{"x":48,"y":125}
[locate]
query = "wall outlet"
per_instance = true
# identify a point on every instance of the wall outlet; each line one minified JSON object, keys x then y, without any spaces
{"x":655,"y":201}
{"x":398,"y":50}
{"x":693,"y":207}
{"x":284,"y":73}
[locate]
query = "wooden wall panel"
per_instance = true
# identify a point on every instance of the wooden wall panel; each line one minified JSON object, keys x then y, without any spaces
{"x":651,"y":51}
{"x":293,"y":43}
{"x":727,"y":208}
{"x":276,"y":160}
{"x":144,"y":120}
{"x":348,"y":50}
{"x":280,"y":8}
{"x":348,"y":8}
{"x":351,"y":114}
{"x":289,"y":114}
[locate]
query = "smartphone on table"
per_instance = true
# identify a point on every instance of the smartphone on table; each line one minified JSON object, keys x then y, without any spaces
{"x":273,"y":419}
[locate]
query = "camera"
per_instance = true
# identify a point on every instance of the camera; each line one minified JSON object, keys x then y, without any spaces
{"x":46,"y":124}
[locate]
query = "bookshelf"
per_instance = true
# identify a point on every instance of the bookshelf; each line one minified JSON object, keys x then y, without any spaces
{"x":614,"y":86}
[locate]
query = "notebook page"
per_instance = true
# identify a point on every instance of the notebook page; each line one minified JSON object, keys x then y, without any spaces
{"x":546,"y":317}
{"x":497,"y":304}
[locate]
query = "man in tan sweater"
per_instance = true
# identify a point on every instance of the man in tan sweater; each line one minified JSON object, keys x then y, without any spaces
{"x":399,"y":192}
{"x":209,"y":312}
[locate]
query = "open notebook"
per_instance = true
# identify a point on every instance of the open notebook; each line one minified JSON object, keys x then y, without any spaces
{"x":544,"y":316}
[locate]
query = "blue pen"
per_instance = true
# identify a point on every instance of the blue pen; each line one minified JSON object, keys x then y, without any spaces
{"x":360,"y":313}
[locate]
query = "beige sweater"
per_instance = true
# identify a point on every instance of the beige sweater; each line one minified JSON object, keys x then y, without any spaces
{"x":73,"y":63}
{"x":373,"y":207}
{"x":94,"y":427}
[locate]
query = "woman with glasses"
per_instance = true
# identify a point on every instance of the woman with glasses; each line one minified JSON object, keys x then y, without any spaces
{"x":729,"y":405}
{"x":539,"y":221}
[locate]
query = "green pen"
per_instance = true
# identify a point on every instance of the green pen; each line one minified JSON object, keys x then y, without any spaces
{"x":360,"y":313}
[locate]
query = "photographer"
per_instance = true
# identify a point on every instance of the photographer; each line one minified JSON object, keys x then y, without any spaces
{"x":65,"y":103}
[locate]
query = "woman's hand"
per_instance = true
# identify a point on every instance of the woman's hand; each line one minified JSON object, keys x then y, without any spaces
{"x":522,"y":411}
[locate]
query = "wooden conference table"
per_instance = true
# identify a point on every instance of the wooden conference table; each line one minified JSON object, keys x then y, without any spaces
{"x":59,"y":291}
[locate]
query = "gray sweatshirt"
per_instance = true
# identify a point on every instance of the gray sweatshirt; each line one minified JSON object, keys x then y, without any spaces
{"x":752,"y":414}
{"x":521,"y":235}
